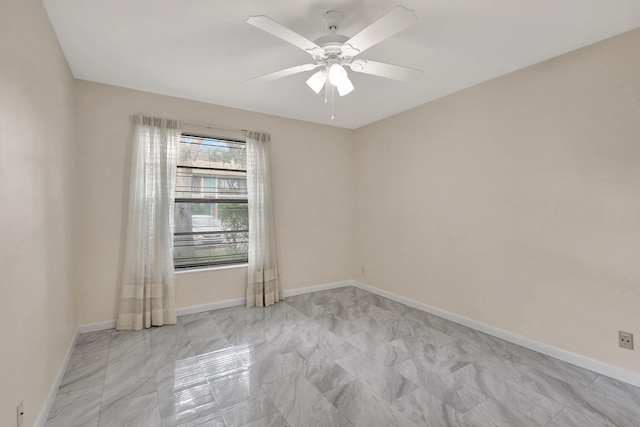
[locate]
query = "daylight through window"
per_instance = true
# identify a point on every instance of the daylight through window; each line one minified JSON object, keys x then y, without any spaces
{"x":211,"y":212}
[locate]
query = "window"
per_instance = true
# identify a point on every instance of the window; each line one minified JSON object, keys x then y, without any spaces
{"x":211,"y":212}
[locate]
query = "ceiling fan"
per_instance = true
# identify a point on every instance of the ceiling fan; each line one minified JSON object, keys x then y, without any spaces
{"x":333,"y":52}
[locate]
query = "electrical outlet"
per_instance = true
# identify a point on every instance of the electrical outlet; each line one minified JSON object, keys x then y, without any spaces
{"x":20,"y":414}
{"x":625,"y":340}
{"x":363,"y":271}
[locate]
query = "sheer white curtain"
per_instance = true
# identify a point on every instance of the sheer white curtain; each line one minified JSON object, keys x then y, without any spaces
{"x":147,"y":288}
{"x":263,"y":286}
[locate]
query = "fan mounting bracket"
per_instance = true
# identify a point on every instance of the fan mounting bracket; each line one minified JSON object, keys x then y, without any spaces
{"x":332,"y":20}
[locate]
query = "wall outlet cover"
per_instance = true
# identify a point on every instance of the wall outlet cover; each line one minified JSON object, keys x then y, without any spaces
{"x":20,"y":414}
{"x":625,"y":340}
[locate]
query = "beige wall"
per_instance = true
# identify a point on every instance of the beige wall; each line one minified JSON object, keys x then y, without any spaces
{"x":37,"y":169}
{"x":311,"y":186}
{"x":515,"y":202}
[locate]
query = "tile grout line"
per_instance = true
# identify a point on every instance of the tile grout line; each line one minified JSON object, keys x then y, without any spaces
{"x":557,"y":413}
{"x":592,"y":381}
{"x":104,"y":378}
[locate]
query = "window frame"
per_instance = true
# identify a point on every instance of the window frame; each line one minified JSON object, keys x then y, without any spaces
{"x":226,"y":200}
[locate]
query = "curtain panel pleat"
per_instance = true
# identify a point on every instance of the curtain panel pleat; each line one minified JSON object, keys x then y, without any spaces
{"x":263,"y":285}
{"x":147,"y":296}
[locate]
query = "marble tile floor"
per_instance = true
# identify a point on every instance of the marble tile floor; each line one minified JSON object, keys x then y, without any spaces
{"x":342,"y":357}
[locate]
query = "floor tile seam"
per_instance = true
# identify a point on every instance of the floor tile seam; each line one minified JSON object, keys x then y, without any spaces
{"x":380,"y":399}
{"x":238,"y":401}
{"x":262,"y":383}
{"x":588,"y":415}
{"x":535,"y":373}
{"x":464,"y":382}
{"x":374,"y":362}
{"x":425,"y":338}
{"x":451,"y":409}
{"x":190,"y":331}
{"x":100,"y":411}
{"x":487,"y":393}
{"x":468,"y":410}
{"x":235,"y":402}
{"x":199,"y":405}
{"x":517,"y":411}
{"x":84,"y":351}
{"x":191,"y":344}
{"x":128,"y":398}
{"x":504,"y":378}
{"x":166,"y":346}
{"x":535,"y":392}
{"x":436,"y":398}
{"x":471,"y":342}
{"x":540,"y":373}
{"x":583,"y":406}
{"x":370,"y":390}
{"x":593,"y":392}
{"x":265,"y":392}
{"x":592,"y":381}
{"x":568,"y":380}
{"x":595,"y":413}
{"x":555,"y":362}
{"x":157,"y":399}
{"x":213,"y":377}
{"x":557,"y":413}
{"x":387,"y":312}
{"x":511,"y":410}
{"x":338,"y":410}
{"x":145,"y":365}
{"x":129,"y":347}
{"x":574,"y":387}
{"x":104,"y":379}
{"x":118,"y":397}
{"x":253,"y":397}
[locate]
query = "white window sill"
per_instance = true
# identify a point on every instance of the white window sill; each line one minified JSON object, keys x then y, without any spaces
{"x":201,"y":270}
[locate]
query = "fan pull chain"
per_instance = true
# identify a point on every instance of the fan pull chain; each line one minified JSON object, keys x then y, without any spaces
{"x":326,"y":91}
{"x":332,"y":94}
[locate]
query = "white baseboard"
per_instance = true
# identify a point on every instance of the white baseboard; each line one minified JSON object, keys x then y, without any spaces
{"x":597,"y":366}
{"x":317,"y":288}
{"x":53,"y":390}
{"x":183,"y":311}
{"x":97,"y":326}
{"x":210,"y":306}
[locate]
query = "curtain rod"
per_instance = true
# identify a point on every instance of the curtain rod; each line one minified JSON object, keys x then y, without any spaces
{"x":215,"y":127}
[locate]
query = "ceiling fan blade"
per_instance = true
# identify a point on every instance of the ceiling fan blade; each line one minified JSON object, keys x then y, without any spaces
{"x":284,"y":73}
{"x":395,"y":72}
{"x":392,"y":23}
{"x":272,"y":27}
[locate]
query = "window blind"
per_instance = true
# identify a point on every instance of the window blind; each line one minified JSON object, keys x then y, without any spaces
{"x":211,"y":218}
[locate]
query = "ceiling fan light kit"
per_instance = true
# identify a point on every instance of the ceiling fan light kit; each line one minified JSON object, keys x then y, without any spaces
{"x":338,"y":77}
{"x":317,"y":80}
{"x":333,"y":52}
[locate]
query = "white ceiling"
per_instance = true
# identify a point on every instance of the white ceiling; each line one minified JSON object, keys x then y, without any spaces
{"x":204,"y":50}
